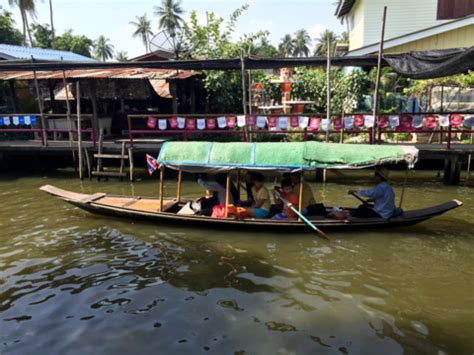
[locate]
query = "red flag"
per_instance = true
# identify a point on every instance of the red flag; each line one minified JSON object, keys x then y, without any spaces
{"x":211,"y":123}
{"x":151,"y":122}
{"x":231,"y":121}
{"x":294,"y":121}
{"x":152,"y":164}
{"x":191,"y":123}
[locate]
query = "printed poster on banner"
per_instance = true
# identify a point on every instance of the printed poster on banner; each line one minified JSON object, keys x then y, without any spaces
{"x":456,"y":120}
{"x":16,"y":120}
{"x":359,"y":121}
{"x":231,"y":120}
{"x":303,"y":122}
{"x":369,"y":121}
{"x":348,"y":122}
{"x":27,"y":120}
{"x":173,"y":122}
{"x":6,"y":120}
{"x":201,"y":123}
{"x":162,"y":124}
{"x":337,"y":122}
{"x":325,"y":124}
{"x":251,"y":120}
{"x":314,"y":123}
{"x":405,"y":122}
{"x":181,"y":122}
{"x":221,"y":122}
{"x":191,"y":123}
{"x":151,"y":122}
{"x":211,"y":123}
{"x":241,"y":121}
{"x":22,"y":120}
{"x":272,"y":121}
{"x":430,"y":121}
{"x":261,"y":121}
{"x":383,"y":122}
{"x":394,"y":121}
{"x":294,"y":121}
{"x":283,"y":122}
{"x":444,"y":120}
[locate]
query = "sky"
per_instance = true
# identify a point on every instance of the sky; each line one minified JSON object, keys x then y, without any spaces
{"x":111,"y":17}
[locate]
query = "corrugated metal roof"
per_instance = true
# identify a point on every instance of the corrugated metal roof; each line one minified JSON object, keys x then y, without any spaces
{"x":113,"y":73}
{"x":8,"y":51}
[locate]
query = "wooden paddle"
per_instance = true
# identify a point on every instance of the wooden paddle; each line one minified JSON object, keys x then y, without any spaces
{"x":303,"y":218}
{"x":358,"y":197}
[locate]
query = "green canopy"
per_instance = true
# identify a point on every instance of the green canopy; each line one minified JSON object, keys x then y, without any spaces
{"x":283,"y":156}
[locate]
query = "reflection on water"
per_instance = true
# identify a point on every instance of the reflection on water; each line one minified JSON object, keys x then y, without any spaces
{"x":75,"y":283}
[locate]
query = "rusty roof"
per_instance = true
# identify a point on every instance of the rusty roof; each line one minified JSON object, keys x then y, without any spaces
{"x":111,"y":73}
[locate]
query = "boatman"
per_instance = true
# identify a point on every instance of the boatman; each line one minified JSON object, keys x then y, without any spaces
{"x":381,"y":195}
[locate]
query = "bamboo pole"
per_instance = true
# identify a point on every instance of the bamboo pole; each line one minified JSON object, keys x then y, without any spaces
{"x":178,"y":193}
{"x":244,"y":99}
{"x":79,"y":128}
{"x":300,"y":200}
{"x":328,"y":87}
{"x":377,"y":79}
{"x":40,"y":105}
{"x":227,"y":195}
{"x":403,"y":189}
{"x":162,"y":182}
{"x":68,"y":117}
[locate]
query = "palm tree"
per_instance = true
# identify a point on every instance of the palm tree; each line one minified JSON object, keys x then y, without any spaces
{"x":169,"y":16}
{"x":344,"y":37}
{"x":301,"y":43}
{"x":103,"y":50}
{"x":286,"y":46}
{"x":326,"y":37}
{"x":51,"y":18}
{"x":143,"y":29}
{"x":121,"y":56}
{"x":27,"y":7}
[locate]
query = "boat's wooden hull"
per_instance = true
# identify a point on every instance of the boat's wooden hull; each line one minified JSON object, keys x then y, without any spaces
{"x":147,"y":208}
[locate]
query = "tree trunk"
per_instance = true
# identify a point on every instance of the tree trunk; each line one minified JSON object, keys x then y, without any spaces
{"x":24,"y":26}
{"x":51,"y":18}
{"x":28,"y":30}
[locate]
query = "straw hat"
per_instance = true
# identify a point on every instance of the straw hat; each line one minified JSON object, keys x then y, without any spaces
{"x":382,"y":172}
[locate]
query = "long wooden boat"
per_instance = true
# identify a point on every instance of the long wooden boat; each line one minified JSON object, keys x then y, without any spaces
{"x":148,"y":208}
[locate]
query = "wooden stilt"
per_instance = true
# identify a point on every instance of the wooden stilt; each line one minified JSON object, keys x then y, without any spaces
{"x":88,"y":163}
{"x":377,"y":79}
{"x":162,"y":183}
{"x":40,"y":106}
{"x":227,"y":195}
{"x":131,"y":164}
{"x":300,"y":200}
{"x":79,"y":128}
{"x":178,"y":193}
{"x":68,"y":118}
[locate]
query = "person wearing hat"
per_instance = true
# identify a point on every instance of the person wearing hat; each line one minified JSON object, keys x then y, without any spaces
{"x":381,"y":195}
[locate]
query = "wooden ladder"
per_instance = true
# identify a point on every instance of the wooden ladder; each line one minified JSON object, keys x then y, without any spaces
{"x":102,"y":171}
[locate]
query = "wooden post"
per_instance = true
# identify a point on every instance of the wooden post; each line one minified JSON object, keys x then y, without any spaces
{"x":244,"y":98}
{"x":40,"y":106}
{"x":341,"y":138}
{"x":131,"y":163}
{"x":68,"y":117}
{"x":328,"y":87}
{"x":79,"y":128}
{"x":300,"y":200}
{"x":95,"y":118}
{"x":377,"y":79}
{"x":227,"y":195}
{"x":162,"y":182}
{"x":178,"y":193}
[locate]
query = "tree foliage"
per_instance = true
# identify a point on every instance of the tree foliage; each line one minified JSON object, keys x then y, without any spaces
{"x":43,"y":36}
{"x":103,"y":50}
{"x":79,"y":44}
{"x":142,"y":30}
{"x":8,"y":33}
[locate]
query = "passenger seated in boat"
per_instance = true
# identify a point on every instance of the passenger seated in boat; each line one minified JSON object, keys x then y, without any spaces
{"x":381,"y":195}
{"x":249,"y":183}
{"x":260,"y":207}
{"x":219,"y":187}
{"x":308,"y":197}
{"x":288,"y":193}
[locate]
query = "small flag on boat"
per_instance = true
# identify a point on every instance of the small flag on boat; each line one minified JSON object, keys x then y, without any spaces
{"x":151,"y":163}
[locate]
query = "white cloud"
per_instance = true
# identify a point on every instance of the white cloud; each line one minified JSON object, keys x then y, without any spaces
{"x":316,"y":30}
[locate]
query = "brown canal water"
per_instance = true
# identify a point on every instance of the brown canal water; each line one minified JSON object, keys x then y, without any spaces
{"x":75,"y":283}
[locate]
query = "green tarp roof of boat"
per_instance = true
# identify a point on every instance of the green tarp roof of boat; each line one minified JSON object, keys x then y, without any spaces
{"x":282,"y":157}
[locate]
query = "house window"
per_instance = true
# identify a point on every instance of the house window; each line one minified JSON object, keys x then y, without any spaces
{"x":453,"y":9}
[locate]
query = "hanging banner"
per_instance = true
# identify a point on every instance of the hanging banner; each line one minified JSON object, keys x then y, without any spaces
{"x":456,"y":120}
{"x":211,"y":123}
{"x":201,"y":123}
{"x":369,"y":121}
{"x":16,"y":120}
{"x":1,"y":121}
{"x":241,"y":121}
{"x":417,"y":121}
{"x":283,"y":122}
{"x":152,"y":164}
{"x":151,"y":122}
{"x":231,"y":120}
{"x":394,"y":121}
{"x":251,"y":120}
{"x":349,"y":122}
{"x":382,"y":122}
{"x":444,"y":120}
{"x":303,"y":122}
{"x":22,"y":120}
{"x":430,"y":121}
{"x":191,"y":123}
{"x":294,"y":121}
{"x":173,"y":122}
{"x":469,"y":122}
{"x":34,"y":119}
{"x":162,"y":124}
{"x":314,"y":123}
{"x":325,"y":124}
{"x":337,"y":123}
{"x":272,"y":121}
{"x":405,"y":122}
{"x":221,"y":122}
{"x":6,"y":120}
{"x":181,"y":122}
{"x":27,"y":120}
{"x":359,"y":121}
{"x":261,"y":121}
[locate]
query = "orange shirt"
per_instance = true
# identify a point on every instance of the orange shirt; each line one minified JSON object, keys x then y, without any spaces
{"x":293,"y":199}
